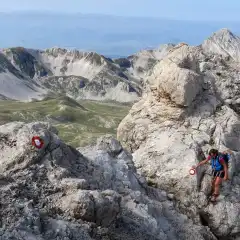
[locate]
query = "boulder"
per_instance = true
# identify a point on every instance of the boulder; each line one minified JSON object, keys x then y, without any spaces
{"x":176,"y":76}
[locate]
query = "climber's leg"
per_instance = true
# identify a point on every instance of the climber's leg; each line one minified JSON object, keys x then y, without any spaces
{"x":216,"y":185}
{"x":214,"y":174}
{"x":213,"y":184}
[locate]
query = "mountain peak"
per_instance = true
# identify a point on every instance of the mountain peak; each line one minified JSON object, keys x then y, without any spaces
{"x":56,"y":51}
{"x":76,"y":54}
{"x":25,"y":62}
{"x":224,"y":43}
{"x":224,"y":33}
{"x":224,"y":30}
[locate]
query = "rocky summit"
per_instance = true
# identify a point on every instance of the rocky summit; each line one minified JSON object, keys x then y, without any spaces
{"x":190,"y":105}
{"x":138,"y":186}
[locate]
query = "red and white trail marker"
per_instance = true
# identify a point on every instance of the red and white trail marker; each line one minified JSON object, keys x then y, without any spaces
{"x":192,"y":171}
{"x":37,"y":142}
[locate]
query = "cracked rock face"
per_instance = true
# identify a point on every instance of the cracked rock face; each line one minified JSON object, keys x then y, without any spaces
{"x":62,"y":193}
{"x":190,"y":105}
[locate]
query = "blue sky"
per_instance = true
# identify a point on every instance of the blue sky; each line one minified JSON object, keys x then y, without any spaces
{"x":185,"y":9}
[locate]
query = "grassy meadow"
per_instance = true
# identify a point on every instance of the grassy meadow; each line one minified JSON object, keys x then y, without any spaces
{"x":79,"y":123}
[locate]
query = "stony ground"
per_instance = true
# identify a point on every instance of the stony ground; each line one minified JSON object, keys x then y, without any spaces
{"x":60,"y":193}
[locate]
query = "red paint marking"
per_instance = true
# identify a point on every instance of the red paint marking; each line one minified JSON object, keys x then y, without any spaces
{"x":37,"y":142}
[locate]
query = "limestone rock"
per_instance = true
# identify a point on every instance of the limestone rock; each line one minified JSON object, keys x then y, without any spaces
{"x":177,"y":76}
{"x":182,"y":115}
{"x":60,"y":193}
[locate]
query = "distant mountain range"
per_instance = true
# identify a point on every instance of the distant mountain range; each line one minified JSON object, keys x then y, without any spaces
{"x":108,"y":35}
{"x":27,"y":74}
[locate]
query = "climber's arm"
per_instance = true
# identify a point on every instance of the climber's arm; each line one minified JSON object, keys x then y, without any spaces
{"x":204,"y":161}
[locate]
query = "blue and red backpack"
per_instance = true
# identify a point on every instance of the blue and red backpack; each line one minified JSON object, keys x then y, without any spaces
{"x":216,"y":165}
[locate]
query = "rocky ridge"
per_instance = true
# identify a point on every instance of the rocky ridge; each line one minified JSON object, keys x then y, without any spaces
{"x":14,"y":84}
{"x":140,"y":64}
{"x":81,"y":75}
{"x":59,"y":193}
{"x":190,"y":105}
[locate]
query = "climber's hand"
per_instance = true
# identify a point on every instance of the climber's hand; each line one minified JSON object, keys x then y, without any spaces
{"x":225,"y":178}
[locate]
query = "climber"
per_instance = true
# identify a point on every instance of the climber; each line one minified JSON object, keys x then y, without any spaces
{"x":219,"y":162}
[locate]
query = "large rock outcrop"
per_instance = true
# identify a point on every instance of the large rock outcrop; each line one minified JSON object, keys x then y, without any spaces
{"x":190,"y":104}
{"x":60,"y":193}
